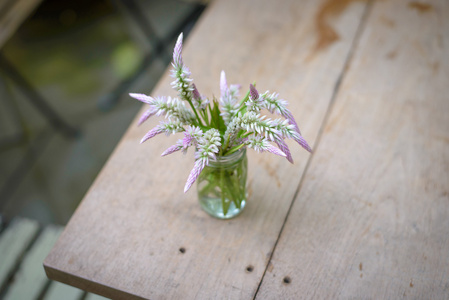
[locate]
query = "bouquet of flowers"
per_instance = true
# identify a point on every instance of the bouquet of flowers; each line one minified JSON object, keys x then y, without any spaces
{"x":219,"y":128}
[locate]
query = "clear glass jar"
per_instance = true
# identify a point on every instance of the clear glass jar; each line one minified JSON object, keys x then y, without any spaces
{"x":222,"y":185}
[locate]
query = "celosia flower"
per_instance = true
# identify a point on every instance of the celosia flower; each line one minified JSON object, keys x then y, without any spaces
{"x":171,"y":108}
{"x":208,"y":146}
{"x":260,"y":144}
{"x":177,"y":54}
{"x":207,"y":149}
{"x":254,"y":102}
{"x":278,"y":106}
{"x":178,"y":146}
{"x":253,"y":93}
{"x":146,"y":115}
{"x":262,"y":125}
{"x":193,"y":176}
{"x":170,"y":127}
{"x":215,"y":131}
{"x":181,"y":73}
{"x":198,"y":100}
{"x":284,"y":148}
{"x":192,"y":135}
{"x":228,"y":99}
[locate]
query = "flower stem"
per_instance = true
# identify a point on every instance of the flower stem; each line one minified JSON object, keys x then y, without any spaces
{"x":223,"y":194}
{"x":196,"y":114}
{"x":241,"y":104}
{"x":236,"y":148}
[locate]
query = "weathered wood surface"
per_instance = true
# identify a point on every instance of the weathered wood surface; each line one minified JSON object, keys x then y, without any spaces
{"x":371,"y":220}
{"x":124,"y":238}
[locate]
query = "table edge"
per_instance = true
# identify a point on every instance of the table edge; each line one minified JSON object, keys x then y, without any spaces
{"x":86,"y":284}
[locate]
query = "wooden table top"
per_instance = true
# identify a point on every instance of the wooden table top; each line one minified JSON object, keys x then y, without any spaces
{"x":365,"y":216}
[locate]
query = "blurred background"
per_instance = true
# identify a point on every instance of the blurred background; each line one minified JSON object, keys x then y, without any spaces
{"x":65,"y":70}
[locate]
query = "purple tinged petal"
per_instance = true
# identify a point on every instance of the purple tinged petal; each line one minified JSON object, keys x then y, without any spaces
{"x":146,"y":115}
{"x":288,"y":115}
{"x":302,"y":142}
{"x":187,"y":140}
{"x":177,"y":52}
{"x":196,"y":95}
{"x":142,"y":98}
{"x":284,"y":148}
{"x":152,"y":133}
{"x":172,"y":149}
{"x":235,"y":87}
{"x":253,"y":93}
{"x":223,"y":84}
{"x":276,"y":151}
{"x":193,"y":176}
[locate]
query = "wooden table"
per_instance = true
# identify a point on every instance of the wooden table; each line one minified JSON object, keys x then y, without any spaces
{"x":366,"y":216}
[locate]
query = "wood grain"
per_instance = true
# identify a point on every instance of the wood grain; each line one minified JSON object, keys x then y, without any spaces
{"x":124,"y":239}
{"x":372,"y":218}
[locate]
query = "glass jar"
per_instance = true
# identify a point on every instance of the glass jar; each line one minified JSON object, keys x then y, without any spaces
{"x":222,"y":185}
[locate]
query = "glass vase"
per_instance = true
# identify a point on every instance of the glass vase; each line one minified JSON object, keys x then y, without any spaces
{"x":222,"y":185}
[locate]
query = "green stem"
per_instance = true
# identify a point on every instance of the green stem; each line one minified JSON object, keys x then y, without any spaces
{"x":231,"y":188}
{"x":246,"y":134}
{"x":244,"y":99}
{"x":205,"y":116}
{"x":226,"y":144}
{"x":196,"y":114}
{"x":236,"y":148}
{"x":223,"y":198}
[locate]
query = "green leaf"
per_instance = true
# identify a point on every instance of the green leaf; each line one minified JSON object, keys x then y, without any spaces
{"x":212,"y":118}
{"x":203,"y":128}
{"x":231,"y":188}
{"x":217,"y":118}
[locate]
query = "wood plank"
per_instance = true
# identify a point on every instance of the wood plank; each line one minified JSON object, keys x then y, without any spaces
{"x":124,"y":238}
{"x":30,"y":279}
{"x":372,"y":218}
{"x":58,"y":291}
{"x":13,"y":242}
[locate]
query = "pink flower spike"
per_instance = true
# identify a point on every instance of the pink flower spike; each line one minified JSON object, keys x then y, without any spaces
{"x":152,"y":133}
{"x":253,"y":93}
{"x":196,"y":95}
{"x":276,"y":151}
{"x":177,"y":52}
{"x":142,"y":98}
{"x":198,"y":167}
{"x":187,"y":140}
{"x":146,"y":115}
{"x":288,"y":115}
{"x":302,"y":142}
{"x":284,"y":148}
{"x":172,"y":149}
{"x":223,"y":84}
